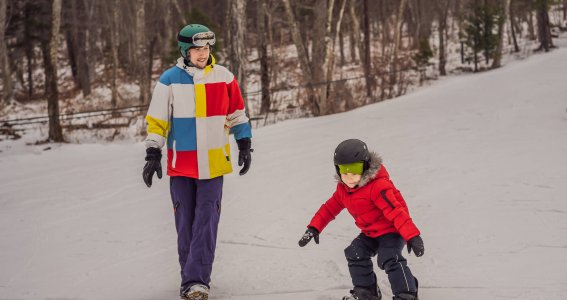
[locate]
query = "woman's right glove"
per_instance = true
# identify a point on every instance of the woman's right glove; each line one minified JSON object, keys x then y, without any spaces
{"x":244,"y":156}
{"x":416,"y":244}
{"x":310,"y":233}
{"x":153,"y":165}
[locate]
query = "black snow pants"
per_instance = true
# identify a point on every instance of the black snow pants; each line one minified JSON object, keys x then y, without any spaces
{"x":389,"y":250}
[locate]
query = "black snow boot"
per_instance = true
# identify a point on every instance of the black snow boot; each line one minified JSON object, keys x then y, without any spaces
{"x":362,"y":293}
{"x":408,"y":296}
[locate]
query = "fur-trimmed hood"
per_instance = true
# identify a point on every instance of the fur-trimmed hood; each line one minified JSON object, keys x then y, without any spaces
{"x":370,"y":174}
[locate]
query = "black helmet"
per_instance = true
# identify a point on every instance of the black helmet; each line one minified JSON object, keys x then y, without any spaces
{"x":351,"y":151}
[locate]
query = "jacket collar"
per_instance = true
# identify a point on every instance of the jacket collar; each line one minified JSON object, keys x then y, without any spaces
{"x":194,"y":71}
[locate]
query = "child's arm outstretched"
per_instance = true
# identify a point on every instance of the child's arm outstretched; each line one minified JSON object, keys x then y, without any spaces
{"x":326,"y":213}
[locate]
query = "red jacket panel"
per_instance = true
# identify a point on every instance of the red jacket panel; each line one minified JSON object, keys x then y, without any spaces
{"x":377,"y":207}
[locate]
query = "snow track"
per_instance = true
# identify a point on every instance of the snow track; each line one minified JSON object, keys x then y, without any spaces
{"x":480,"y":159}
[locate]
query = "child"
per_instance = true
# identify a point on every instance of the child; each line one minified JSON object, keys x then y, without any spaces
{"x":364,"y":188}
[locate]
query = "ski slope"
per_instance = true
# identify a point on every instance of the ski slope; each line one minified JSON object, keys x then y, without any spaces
{"x":481,"y":160}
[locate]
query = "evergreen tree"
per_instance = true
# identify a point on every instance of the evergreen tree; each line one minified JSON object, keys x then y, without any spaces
{"x":480,"y":31}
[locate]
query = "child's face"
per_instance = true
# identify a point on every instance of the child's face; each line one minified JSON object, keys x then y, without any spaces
{"x":351,"y":180}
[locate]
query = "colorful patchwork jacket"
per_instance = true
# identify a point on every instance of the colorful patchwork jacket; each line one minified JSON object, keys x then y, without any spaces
{"x":194,"y":110}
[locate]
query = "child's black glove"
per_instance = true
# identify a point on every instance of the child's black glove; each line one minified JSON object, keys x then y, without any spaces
{"x":310,"y":233}
{"x":244,"y":157}
{"x":416,"y":243}
{"x":153,"y":165}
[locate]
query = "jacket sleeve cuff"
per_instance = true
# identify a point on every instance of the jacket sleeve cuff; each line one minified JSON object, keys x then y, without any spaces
{"x":317,"y":227}
{"x":409,"y":230}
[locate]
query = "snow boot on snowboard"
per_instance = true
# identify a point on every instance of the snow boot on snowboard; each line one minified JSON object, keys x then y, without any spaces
{"x":361,"y":293}
{"x":408,"y":296}
{"x":405,"y":296}
{"x":196,"y":292}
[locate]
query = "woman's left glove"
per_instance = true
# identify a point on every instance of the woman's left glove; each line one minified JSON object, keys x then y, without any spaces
{"x":153,"y":165}
{"x":416,"y":243}
{"x":244,"y":156}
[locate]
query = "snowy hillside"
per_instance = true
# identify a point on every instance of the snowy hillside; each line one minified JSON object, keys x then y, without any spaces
{"x":480,"y":159}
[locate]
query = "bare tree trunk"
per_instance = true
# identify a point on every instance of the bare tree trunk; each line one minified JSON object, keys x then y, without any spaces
{"x":322,"y":54}
{"x":442,"y":13}
{"x":505,"y":6}
{"x":331,"y":51}
{"x":356,"y":41}
{"x":84,"y":70}
{"x":180,"y":12}
{"x":543,"y":27}
{"x":71,"y":39}
{"x":78,"y":48}
{"x":89,"y":41}
{"x":28,"y":48}
{"x":367,"y":57}
{"x":269,"y":26}
{"x":301,"y":48}
{"x":342,"y":48}
{"x":55,"y":132}
{"x":385,"y":33}
{"x":338,"y":34}
{"x":263,"y":56}
{"x":531,"y":29}
{"x":72,"y":56}
{"x":476,"y":43}
{"x":413,"y":18}
{"x":141,"y":54}
{"x":513,"y":28}
{"x":129,"y":37}
{"x":352,"y":46}
{"x":237,"y":28}
{"x":424,"y":15}
{"x":397,"y":37}
{"x":398,"y":30}
{"x":114,"y":39}
{"x":8,"y":90}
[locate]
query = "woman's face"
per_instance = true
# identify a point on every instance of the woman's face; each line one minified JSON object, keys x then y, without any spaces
{"x":199,"y":56}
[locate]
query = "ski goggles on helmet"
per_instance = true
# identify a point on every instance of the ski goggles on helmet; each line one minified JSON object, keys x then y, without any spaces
{"x":354,"y":168}
{"x":199,"y":39}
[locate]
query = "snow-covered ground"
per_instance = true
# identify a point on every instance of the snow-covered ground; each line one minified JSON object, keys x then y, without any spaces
{"x":481,"y":160}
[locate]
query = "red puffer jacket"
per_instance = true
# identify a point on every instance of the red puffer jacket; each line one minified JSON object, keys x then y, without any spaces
{"x":376,"y":205}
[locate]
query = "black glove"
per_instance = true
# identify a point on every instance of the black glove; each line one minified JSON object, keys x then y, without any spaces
{"x":416,"y":244}
{"x":153,"y":165}
{"x":244,"y":156}
{"x":310,"y":233}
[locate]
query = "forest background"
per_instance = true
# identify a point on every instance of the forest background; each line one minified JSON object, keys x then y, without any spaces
{"x":78,"y":70}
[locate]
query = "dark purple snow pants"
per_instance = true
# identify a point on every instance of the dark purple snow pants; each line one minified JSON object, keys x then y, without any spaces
{"x":197,"y":206}
{"x":388,"y":247}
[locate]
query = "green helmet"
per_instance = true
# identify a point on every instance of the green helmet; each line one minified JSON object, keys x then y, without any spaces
{"x":194,"y":35}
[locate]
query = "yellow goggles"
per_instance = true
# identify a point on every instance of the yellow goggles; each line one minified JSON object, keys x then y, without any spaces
{"x":354,"y":168}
